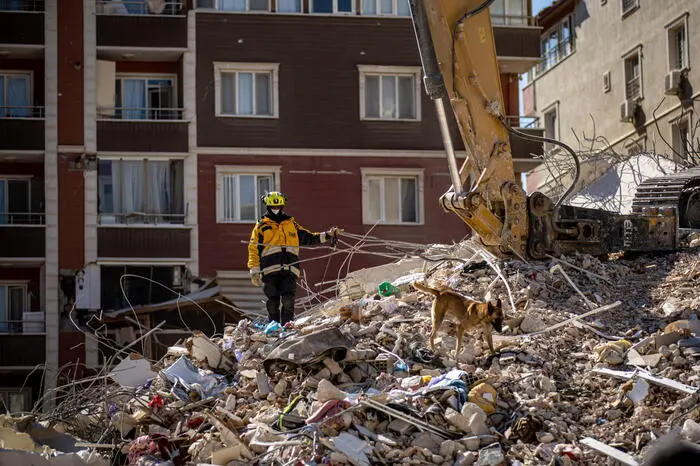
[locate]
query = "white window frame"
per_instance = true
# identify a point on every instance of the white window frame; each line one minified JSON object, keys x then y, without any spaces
{"x":30,"y":89}
{"x":552,"y":108}
{"x":300,"y":12}
{"x":415,"y":71}
{"x":335,"y":9}
{"x":217,"y":7}
{"x":234,"y":67}
{"x":375,"y":172}
{"x":607,"y":85}
{"x":377,"y":5}
{"x":508,"y":17}
{"x":222,"y":170}
{"x":638,"y":52}
{"x":681,"y":22}
{"x":24,"y":285}
{"x":634,"y":7}
{"x":686,"y":120}
{"x":547,"y":64}
{"x":147,"y":76}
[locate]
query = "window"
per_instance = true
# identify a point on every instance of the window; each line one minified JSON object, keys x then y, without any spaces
{"x":15,"y":400}
{"x":386,"y":7}
{"x":139,"y":292}
{"x":557,"y":43}
{"x":551,"y":125}
{"x":681,"y":139}
{"x":246,"y":89}
{"x":239,"y":191}
{"x":678,"y":45}
{"x":138,"y":7}
{"x":15,"y":95}
{"x":628,"y":6}
{"x":149,"y":98}
{"x":289,"y":6}
{"x":235,"y":5}
{"x":509,"y":12}
{"x":633,"y":75}
{"x":332,"y":6}
{"x":389,"y":93}
{"x":133,"y":191}
{"x":392,"y":196}
{"x":21,"y":201}
{"x":13,"y":304}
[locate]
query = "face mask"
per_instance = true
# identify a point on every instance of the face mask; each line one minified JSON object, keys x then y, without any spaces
{"x":275,"y":211}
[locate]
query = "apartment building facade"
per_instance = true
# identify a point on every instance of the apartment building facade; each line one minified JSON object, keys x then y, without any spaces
{"x":619,"y":71}
{"x":137,"y":137}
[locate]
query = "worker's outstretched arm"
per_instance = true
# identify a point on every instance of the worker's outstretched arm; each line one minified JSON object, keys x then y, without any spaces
{"x":308,"y":238}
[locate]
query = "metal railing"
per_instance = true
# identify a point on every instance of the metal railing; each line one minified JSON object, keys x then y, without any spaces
{"x":554,"y":56}
{"x":512,"y":20}
{"x":633,"y":88}
{"x":139,"y":7}
{"x":141,"y":218}
{"x":22,"y":5}
{"x":128,"y":113}
{"x":22,"y":326}
{"x":15,"y":111}
{"x":517,"y":121}
{"x":22,"y":218}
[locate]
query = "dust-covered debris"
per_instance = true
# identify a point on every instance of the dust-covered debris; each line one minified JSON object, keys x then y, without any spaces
{"x":356,"y":383}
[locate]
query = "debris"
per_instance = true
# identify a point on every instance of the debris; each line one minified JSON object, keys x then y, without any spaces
{"x":352,"y":380}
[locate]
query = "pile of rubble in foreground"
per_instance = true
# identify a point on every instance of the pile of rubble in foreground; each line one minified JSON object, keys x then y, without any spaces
{"x":356,"y":383}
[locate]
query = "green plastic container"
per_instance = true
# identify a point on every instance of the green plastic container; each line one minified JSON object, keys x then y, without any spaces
{"x":387,"y":289}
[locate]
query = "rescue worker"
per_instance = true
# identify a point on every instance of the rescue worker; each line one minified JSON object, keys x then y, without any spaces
{"x":273,"y":253}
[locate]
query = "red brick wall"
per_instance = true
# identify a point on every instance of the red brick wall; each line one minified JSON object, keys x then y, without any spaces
{"x":319,"y":201}
{"x":70,"y":72}
{"x":509,"y":87}
{"x":71,"y":221}
{"x":12,"y":168}
{"x":36,"y":67}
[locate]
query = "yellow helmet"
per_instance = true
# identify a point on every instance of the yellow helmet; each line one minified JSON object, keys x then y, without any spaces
{"x":274,"y":199}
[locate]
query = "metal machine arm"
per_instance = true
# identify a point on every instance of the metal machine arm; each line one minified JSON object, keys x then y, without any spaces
{"x":458,"y":54}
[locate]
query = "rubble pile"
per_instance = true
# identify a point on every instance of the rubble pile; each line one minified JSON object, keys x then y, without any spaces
{"x":356,"y":382}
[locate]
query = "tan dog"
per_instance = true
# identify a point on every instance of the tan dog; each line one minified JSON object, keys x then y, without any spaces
{"x":469,"y":313}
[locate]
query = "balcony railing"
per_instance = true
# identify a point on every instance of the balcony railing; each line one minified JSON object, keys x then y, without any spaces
{"x":14,"y":111}
{"x":140,"y":218}
{"x":25,"y":325}
{"x":128,"y":113}
{"x":139,"y":7}
{"x":512,"y":20}
{"x":21,"y":218}
{"x":22,"y":5}
{"x":555,"y":55}
{"x":517,"y":121}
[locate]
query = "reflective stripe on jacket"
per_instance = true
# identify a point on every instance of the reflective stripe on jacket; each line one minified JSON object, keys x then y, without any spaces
{"x":275,"y":246}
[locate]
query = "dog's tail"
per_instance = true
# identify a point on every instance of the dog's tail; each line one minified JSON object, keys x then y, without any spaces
{"x":425,"y":288}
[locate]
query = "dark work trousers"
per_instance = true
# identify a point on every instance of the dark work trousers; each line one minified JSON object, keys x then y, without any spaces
{"x":280,"y":286}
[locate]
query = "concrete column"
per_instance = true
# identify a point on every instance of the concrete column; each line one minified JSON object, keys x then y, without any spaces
{"x":189,"y":84}
{"x":51,"y":301}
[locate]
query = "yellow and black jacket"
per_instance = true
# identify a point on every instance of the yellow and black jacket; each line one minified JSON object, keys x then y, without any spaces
{"x":274,"y":244}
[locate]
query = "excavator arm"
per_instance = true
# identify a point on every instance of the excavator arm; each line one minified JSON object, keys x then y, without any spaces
{"x":461,"y":73}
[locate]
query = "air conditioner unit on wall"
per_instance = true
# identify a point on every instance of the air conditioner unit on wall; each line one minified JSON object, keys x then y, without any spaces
{"x":672,"y":83}
{"x":627,"y":110}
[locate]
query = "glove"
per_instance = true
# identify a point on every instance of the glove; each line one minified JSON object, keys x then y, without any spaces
{"x":256,"y":276}
{"x":334,"y":232}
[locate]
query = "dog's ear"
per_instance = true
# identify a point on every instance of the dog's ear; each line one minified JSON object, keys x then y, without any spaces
{"x":498,"y":303}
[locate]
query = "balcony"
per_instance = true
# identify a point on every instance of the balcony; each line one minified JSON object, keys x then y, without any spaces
{"x":134,"y":23}
{"x":517,"y":42}
{"x":22,"y":235}
{"x":22,"y":128}
{"x":22,"y":349}
{"x":141,"y":130}
{"x":523,"y":150}
{"x":121,"y":242}
{"x":22,"y":24}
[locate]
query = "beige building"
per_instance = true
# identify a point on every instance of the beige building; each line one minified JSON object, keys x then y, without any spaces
{"x":616,"y":78}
